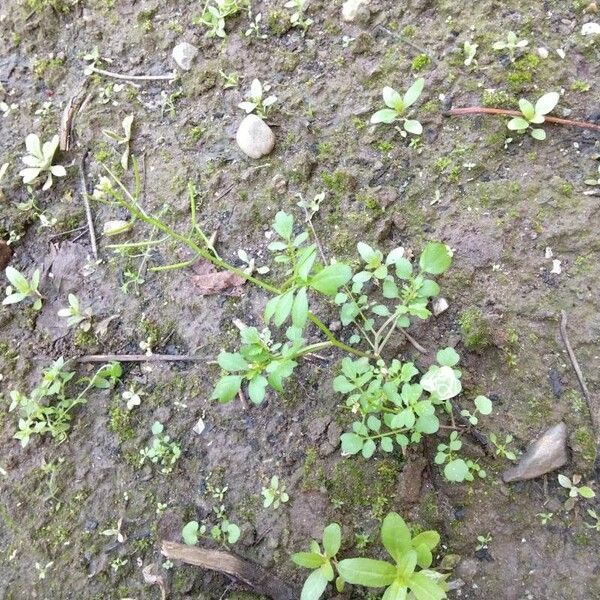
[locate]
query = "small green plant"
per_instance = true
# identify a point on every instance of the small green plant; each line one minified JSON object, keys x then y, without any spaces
{"x":75,"y":315}
{"x":47,"y":408}
{"x":534,"y":115}
{"x":215,"y":12}
{"x":593,"y":181}
{"x":393,"y":404}
{"x":255,"y":100}
{"x":575,"y":490}
{"x":21,"y":289}
{"x":231,"y":80}
{"x":132,"y":397}
{"x":254,"y":28}
{"x":162,"y":450}
{"x":545,"y":517}
{"x":483,"y":406}
{"x":410,"y":572}
{"x":483,"y":541}
{"x":297,"y":18}
{"x":510,"y":44}
{"x":275,"y":494}
{"x":469,"y":51}
{"x":456,"y":469}
{"x":39,"y":161}
{"x":501,"y":448}
{"x":397,"y":107}
{"x":592,"y":513}
{"x":122,"y":140}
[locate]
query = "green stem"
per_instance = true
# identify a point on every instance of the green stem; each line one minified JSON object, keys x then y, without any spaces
{"x":334,"y":341}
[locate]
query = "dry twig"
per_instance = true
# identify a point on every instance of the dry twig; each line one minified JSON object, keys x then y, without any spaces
{"x":133,"y":77}
{"x":98,"y":358}
{"x":248,"y":573}
{"x":86,"y":203}
{"x":592,"y":401}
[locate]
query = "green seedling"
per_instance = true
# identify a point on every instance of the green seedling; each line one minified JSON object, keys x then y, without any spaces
{"x":132,"y":397}
{"x":255,"y":100}
{"x":545,"y":517}
{"x":215,"y":12}
{"x":575,"y":490}
{"x":162,"y":450}
{"x":75,"y":315}
{"x":483,"y":541}
{"x":511,"y":44}
{"x":410,"y":572}
{"x":122,"y":140}
{"x":275,"y":494}
{"x":501,"y":448}
{"x":251,"y":264}
{"x":224,"y":531}
{"x":590,"y":181}
{"x":594,"y":515}
{"x":231,"y":80}
{"x":191,"y":532}
{"x":47,"y":408}
{"x":39,"y":161}
{"x":254,"y":29}
{"x":322,"y":563}
{"x":115,"y":532}
{"x":534,"y":115}
{"x":398,"y":106}
{"x":297,"y":18}
{"x":456,"y":469}
{"x":469,"y":50}
{"x":393,"y":403}
{"x":483,"y":406}
{"x":21,"y":289}
{"x":401,"y":578}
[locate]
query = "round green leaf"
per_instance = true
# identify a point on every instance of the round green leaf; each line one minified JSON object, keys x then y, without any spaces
{"x":190,"y":533}
{"x":456,"y":470}
{"x":483,"y":404}
{"x":351,"y":443}
{"x":435,"y":258}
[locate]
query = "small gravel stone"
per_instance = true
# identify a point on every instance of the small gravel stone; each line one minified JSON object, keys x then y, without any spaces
{"x":254,"y":137}
{"x":355,"y":9}
{"x":184,"y":55}
{"x":439,"y":306}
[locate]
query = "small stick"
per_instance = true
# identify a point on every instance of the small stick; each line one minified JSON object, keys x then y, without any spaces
{"x":414,"y":342}
{"x":248,"y":573}
{"x":482,"y":110}
{"x":593,"y":404}
{"x":242,"y":398}
{"x":61,"y":233}
{"x":134,"y":77}
{"x":71,"y":110}
{"x":97,"y":358}
{"x":86,"y":203}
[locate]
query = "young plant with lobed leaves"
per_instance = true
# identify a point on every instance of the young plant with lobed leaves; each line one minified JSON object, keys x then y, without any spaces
{"x":40,"y":160}
{"x":21,"y":288}
{"x":391,"y":402}
{"x":47,"y":408}
{"x":398,"y":106}
{"x":534,"y":115}
{"x":408,"y":576}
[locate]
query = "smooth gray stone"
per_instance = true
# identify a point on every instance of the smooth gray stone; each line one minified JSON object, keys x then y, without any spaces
{"x":254,"y":137}
{"x":547,"y":453}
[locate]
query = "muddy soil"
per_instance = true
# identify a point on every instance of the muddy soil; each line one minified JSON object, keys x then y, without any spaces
{"x":498,"y":205}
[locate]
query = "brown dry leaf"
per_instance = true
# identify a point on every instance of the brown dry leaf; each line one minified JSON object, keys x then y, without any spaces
{"x":210,"y":281}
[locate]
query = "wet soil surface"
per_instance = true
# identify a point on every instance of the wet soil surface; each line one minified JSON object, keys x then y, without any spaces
{"x":498,"y":205}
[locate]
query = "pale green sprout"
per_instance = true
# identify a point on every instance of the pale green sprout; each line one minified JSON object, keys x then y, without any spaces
{"x":75,"y":315}
{"x":275,"y":494}
{"x":545,"y":517}
{"x":575,"y":490}
{"x":590,"y":181}
{"x":215,"y":13}
{"x":594,"y":515}
{"x":511,"y":44}
{"x":297,"y":17}
{"x":21,"y":288}
{"x":397,"y":107}
{"x":502,"y":447}
{"x":231,"y":79}
{"x":133,"y":397}
{"x":469,"y":50}
{"x":254,"y":29}
{"x":255,"y":100}
{"x":39,"y":160}
{"x":483,"y":541}
{"x":162,"y":450}
{"x":251,"y":264}
{"x":534,"y":115}
{"x":122,"y":140}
